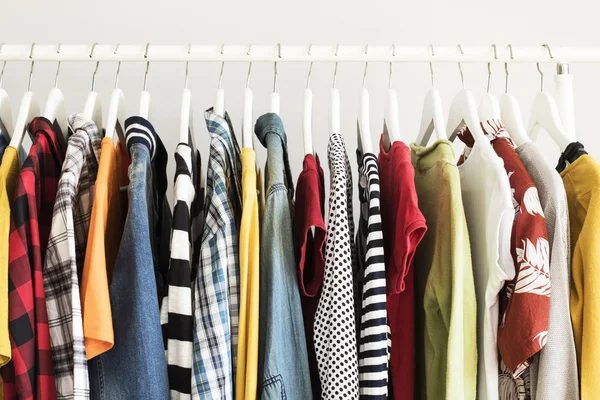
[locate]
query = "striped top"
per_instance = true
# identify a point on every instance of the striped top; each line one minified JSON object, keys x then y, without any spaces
{"x":176,"y":311}
{"x":374,"y":332}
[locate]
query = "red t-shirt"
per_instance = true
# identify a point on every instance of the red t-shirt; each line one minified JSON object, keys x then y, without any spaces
{"x":310,"y":252}
{"x":524,"y":301}
{"x":403,"y":228}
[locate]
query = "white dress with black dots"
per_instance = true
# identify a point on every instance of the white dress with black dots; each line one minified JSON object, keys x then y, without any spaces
{"x":335,"y":330}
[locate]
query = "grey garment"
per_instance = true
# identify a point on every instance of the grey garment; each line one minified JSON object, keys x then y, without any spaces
{"x":282,"y":358}
{"x":553,"y":371}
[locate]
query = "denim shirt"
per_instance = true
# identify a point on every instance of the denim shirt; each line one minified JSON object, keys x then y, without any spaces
{"x":136,"y":368}
{"x":283,"y":361}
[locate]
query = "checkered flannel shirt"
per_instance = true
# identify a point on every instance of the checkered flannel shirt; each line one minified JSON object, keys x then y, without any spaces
{"x":216,"y":289}
{"x":65,"y":257}
{"x":30,"y":374}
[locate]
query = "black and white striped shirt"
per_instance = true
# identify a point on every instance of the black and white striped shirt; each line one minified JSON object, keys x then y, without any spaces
{"x":176,"y":311}
{"x":374,"y":331}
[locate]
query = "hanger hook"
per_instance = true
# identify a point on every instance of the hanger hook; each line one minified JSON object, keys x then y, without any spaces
{"x":489,"y":65}
{"x":187,"y":67}
{"x":31,"y":69}
{"x":118,"y":66}
{"x":462,"y":77}
{"x":547,"y":46}
{"x":337,"y":48}
{"x":95,"y":69}
{"x":3,"y":65}
{"x":366,"y":65}
{"x":58,"y":67}
{"x":391,"y":69}
{"x":510,"y":49}
{"x":541,"y":77}
{"x":147,"y":66}
{"x":249,"y":67}
{"x":275,"y":68}
{"x":222,"y":66}
{"x":309,"y":68}
{"x":431,"y":66}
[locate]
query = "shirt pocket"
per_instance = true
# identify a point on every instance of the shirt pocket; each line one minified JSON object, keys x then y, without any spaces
{"x":273,"y":388}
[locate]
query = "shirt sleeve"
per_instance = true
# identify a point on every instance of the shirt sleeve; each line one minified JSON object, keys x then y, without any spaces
{"x":587,"y":255}
{"x":409,"y":231}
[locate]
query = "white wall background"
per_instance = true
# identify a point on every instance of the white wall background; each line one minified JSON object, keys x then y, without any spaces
{"x":529,"y":22}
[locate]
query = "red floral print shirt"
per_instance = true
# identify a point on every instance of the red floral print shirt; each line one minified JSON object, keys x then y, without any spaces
{"x":524,"y":301}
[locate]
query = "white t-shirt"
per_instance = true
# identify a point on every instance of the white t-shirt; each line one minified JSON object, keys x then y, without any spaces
{"x":489,"y":211}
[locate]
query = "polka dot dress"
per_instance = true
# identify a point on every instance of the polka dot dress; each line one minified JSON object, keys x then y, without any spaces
{"x":335,"y":330}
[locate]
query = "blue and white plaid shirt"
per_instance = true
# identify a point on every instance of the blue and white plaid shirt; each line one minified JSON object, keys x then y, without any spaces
{"x":216,"y":289}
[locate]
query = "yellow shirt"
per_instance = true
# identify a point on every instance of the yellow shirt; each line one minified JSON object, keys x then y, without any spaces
{"x":104,"y":237}
{"x":9,"y":170}
{"x":582,"y":184}
{"x":247,"y":358}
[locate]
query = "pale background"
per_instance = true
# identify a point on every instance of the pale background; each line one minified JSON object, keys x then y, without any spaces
{"x":481,"y":22}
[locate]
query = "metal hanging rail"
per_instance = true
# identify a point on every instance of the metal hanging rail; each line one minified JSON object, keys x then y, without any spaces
{"x":297,"y":53}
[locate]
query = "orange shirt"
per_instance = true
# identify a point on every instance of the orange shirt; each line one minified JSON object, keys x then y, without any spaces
{"x":106,"y":229}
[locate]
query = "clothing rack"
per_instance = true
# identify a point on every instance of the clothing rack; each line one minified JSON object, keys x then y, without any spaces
{"x":297,"y":53}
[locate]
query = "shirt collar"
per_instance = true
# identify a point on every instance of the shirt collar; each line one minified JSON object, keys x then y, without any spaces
{"x":492,"y":129}
{"x":80,"y":122}
{"x":43,"y":126}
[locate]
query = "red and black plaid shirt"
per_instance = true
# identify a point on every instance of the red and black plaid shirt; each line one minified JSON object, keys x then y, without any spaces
{"x":30,"y":374}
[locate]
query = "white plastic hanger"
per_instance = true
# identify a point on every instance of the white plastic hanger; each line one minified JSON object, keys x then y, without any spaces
{"x":220,"y":98}
{"x":307,"y":115}
{"x":335,"y":101}
{"x":463,"y":111}
{"x":247,"y":141}
{"x":432,"y":118}
{"x":56,"y":109}
{"x":511,"y":112}
{"x":275,"y":102}
{"x":186,"y":119}
{"x":5,"y":107}
{"x":116,"y":111}
{"x":563,"y":82}
{"x":489,"y":107}
{"x":93,"y":107}
{"x":391,"y":124}
{"x":545,"y":114}
{"x":28,"y":110}
{"x":145,"y":95}
{"x":364,"y":129}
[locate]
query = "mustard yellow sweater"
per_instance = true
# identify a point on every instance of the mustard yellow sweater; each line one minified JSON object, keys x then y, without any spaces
{"x":582,"y":184}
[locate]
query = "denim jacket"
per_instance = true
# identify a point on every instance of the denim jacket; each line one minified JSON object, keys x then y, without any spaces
{"x":136,"y":368}
{"x":283,"y":361}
